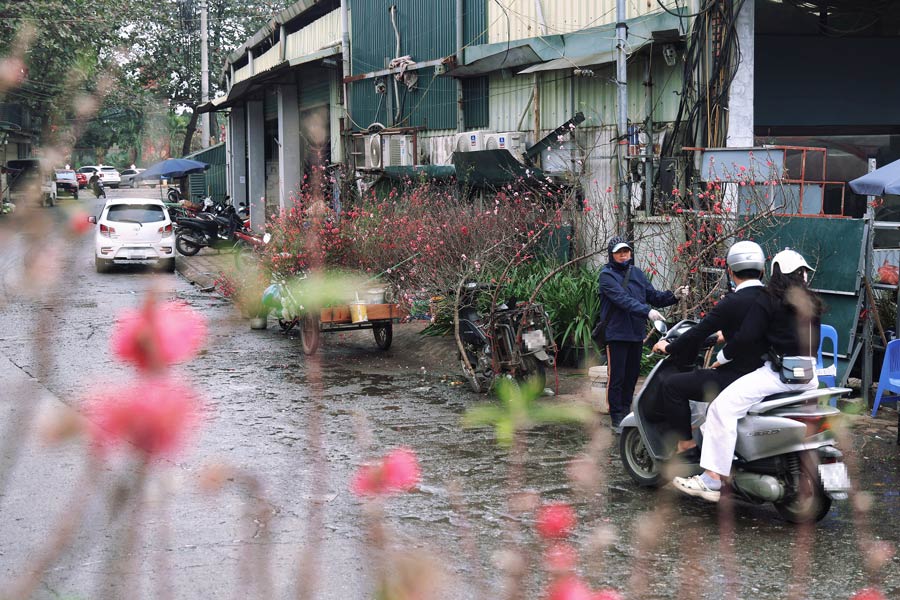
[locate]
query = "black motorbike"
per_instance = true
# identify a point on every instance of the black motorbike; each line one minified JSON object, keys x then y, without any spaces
{"x":515,"y":340}
{"x":199,"y":232}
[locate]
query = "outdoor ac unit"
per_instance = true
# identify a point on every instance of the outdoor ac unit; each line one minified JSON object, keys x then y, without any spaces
{"x":374,"y":152}
{"x":469,"y":141}
{"x":514,"y":141}
{"x":397,"y":151}
{"x":441,"y":149}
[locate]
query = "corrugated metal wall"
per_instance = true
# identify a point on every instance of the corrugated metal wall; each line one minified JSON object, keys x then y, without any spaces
{"x":211,"y":181}
{"x":518,"y":19}
{"x":427,"y":32}
{"x":314,"y":36}
{"x":594,"y":96}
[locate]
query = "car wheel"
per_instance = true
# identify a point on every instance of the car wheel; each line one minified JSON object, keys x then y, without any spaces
{"x":102,"y":265}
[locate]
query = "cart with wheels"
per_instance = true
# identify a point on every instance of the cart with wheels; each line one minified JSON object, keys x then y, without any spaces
{"x":380,"y":318}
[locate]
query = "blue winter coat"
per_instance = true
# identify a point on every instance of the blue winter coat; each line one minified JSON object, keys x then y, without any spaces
{"x":626,"y":313}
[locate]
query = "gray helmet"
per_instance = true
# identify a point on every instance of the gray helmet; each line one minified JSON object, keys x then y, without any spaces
{"x":746,"y":255}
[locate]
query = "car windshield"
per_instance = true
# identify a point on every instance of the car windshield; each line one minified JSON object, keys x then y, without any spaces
{"x":110,"y":169}
{"x":65,"y":175}
{"x":136,"y":213}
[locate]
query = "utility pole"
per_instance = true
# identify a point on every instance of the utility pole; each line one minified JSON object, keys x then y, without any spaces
{"x":204,"y":72}
{"x":624,"y":225}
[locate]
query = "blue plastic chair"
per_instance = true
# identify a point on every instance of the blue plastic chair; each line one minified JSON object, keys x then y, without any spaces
{"x":827,"y":375}
{"x":890,"y":373}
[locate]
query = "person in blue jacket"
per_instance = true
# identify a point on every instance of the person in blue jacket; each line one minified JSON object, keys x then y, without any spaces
{"x":625,"y":310}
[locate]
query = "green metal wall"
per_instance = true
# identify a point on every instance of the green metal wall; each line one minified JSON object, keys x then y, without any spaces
{"x":427,"y":32}
{"x":213,"y":180}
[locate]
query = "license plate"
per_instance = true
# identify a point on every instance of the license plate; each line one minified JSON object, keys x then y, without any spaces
{"x":835,"y":477}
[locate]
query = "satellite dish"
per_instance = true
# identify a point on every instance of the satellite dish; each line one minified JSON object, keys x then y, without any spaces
{"x":374,"y":151}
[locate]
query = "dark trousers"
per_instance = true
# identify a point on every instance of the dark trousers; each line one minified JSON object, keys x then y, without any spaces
{"x":672,"y":406}
{"x":624,"y":368}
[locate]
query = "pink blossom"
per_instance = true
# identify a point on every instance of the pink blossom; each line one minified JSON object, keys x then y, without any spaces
{"x":398,"y":471}
{"x":157,"y":336}
{"x":153,"y":416}
{"x":868,"y":593}
{"x":569,"y":588}
{"x":560,"y":557}
{"x":555,"y":520}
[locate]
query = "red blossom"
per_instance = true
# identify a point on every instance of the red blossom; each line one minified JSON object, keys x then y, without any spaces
{"x":555,"y":520}
{"x":572,"y":588}
{"x":868,"y":593}
{"x":153,"y":416}
{"x":396,"y":472}
{"x":158,"y":335}
{"x":78,"y":222}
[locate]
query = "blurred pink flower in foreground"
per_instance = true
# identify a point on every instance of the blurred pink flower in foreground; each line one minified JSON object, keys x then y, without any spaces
{"x":560,"y":557}
{"x":572,"y":588}
{"x":555,"y":521}
{"x":158,"y":335}
{"x":868,"y":594}
{"x":153,"y":416}
{"x":398,"y":471}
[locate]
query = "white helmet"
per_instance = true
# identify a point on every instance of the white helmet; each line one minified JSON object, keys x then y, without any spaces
{"x":746,"y":255}
{"x":789,"y":261}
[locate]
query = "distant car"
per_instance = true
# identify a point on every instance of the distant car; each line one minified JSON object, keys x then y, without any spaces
{"x":82,"y":180}
{"x":109,"y":175}
{"x":67,"y":181}
{"x":134,"y":231}
{"x":130,"y":177}
{"x":30,"y":178}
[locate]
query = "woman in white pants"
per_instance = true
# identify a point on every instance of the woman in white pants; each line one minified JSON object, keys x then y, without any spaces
{"x":787,"y":318}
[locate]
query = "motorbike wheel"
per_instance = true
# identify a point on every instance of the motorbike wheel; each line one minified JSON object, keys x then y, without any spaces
{"x":309,"y":334}
{"x":287,"y":325}
{"x":185,"y":246}
{"x":172,"y":196}
{"x":477,"y":383}
{"x":533,"y":371}
{"x":810,"y":503}
{"x":637,"y":460}
{"x":384,"y":334}
{"x":243,"y":255}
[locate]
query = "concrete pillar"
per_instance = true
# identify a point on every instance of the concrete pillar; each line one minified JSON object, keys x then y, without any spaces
{"x":256,"y":164}
{"x":237,"y":155}
{"x":740,"y":94}
{"x":288,"y":144}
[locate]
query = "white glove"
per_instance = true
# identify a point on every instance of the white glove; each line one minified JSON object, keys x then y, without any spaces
{"x":655,"y":315}
{"x":682,"y":292}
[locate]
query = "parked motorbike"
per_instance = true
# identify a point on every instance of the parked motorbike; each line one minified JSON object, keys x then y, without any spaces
{"x":202,"y":210}
{"x":285,"y":300}
{"x":515,"y":340}
{"x":218,"y":232}
{"x":785,"y":453}
{"x":173,"y":195}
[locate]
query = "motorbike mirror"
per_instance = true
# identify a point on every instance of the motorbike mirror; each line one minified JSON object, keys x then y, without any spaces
{"x":267,"y":237}
{"x":661,"y":327}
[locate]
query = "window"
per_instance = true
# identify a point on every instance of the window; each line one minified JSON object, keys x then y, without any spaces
{"x":136,"y":213}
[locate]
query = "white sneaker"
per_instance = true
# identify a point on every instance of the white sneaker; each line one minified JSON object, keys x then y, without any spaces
{"x":694,"y":486}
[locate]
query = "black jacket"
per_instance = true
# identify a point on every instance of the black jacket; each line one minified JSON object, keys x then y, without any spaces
{"x":727,"y":315}
{"x":776,"y":327}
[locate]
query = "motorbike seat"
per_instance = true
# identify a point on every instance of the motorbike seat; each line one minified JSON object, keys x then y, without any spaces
{"x":201,"y":224}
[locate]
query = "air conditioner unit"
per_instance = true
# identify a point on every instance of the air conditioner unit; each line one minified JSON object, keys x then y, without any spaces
{"x":442,"y":149}
{"x":397,"y":151}
{"x":374,"y":151}
{"x":469,"y":141}
{"x":514,"y":141}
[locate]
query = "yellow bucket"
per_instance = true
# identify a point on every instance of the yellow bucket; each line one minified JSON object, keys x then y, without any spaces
{"x":358,"y":313}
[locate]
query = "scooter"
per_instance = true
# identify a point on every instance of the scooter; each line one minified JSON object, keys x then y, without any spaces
{"x":515,"y":340}
{"x":785,"y":453}
{"x":285,"y":299}
{"x":196,"y":233}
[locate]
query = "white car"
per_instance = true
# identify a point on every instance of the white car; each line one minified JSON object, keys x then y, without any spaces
{"x":134,"y":231}
{"x":108,"y":175}
{"x":129,"y":178}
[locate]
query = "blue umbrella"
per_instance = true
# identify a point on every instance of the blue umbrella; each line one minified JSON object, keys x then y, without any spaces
{"x":173,"y":168}
{"x":885,"y":180}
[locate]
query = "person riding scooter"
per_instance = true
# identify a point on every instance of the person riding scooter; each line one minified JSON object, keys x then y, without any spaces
{"x":745,"y":265}
{"x":97,"y":186}
{"x":786,"y":318}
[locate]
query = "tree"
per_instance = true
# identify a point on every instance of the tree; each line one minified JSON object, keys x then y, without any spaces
{"x":164,"y":55}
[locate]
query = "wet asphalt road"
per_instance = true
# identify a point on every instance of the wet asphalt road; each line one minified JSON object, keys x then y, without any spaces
{"x":260,"y":405}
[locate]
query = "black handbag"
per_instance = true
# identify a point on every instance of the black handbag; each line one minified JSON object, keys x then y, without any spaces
{"x":794,"y":369}
{"x":598,"y":333}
